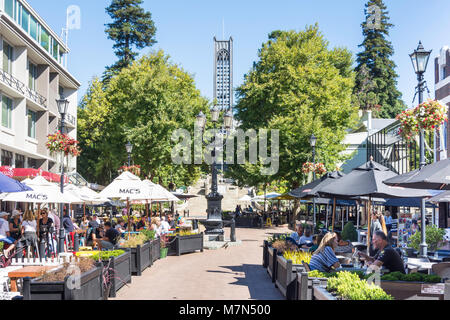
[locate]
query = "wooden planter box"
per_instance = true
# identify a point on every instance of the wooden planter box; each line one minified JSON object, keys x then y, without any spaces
{"x":320,"y":293}
{"x":304,"y":285}
{"x":286,"y":276}
{"x":265,"y":254}
{"x":91,"y":287}
{"x":140,"y":258}
{"x":119,"y":272}
{"x":154,"y":250}
{"x":186,"y":244}
{"x":272,"y":263}
{"x":402,"y":290}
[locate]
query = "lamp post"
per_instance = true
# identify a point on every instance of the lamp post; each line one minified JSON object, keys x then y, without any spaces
{"x":63,"y":104}
{"x":419,"y":60}
{"x":214,"y":223}
{"x":129,"y":148}
{"x":313,"y":141}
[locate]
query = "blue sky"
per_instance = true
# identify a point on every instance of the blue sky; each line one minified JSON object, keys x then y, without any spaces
{"x":186,"y":30}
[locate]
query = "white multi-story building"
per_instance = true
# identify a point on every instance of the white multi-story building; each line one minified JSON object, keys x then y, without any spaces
{"x":32,"y":78}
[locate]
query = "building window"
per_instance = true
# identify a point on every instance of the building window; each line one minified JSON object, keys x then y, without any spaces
{"x":31,"y":124}
{"x":9,"y":7}
{"x":20,"y":161}
{"x":32,"y":75}
{"x":55,"y":49}
{"x":45,"y":39}
{"x":33,"y":28}
{"x":32,"y":163}
{"x":7,"y":158}
{"x":7,"y":57}
{"x":25,"y":19}
{"x":7,"y":107}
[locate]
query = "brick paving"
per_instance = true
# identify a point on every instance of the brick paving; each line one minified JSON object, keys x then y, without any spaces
{"x":233,"y":273}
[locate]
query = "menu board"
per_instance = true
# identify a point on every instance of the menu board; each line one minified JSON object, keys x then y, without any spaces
{"x":405,"y":229}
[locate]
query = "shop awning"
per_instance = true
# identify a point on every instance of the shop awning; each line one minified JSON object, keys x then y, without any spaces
{"x":23,"y":173}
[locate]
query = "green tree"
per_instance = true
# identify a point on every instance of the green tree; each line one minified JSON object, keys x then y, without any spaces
{"x":365,"y":96}
{"x":376,"y":57}
{"x":299,"y":87}
{"x":143,"y":104}
{"x":132,"y":27}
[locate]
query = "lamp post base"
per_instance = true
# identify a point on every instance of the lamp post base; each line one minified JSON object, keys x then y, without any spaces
{"x":214,"y":223}
{"x":423,"y":253}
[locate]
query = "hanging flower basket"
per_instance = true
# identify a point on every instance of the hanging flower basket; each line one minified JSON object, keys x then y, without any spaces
{"x":60,"y":142}
{"x":318,"y":168}
{"x":428,"y":116}
{"x":134,"y":169}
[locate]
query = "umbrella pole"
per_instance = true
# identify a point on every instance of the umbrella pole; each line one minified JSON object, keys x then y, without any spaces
{"x":334,"y":214}
{"x":326,"y":218}
{"x":128,"y":215}
{"x":369,"y":222}
{"x":357,"y":217}
{"x":84,"y":211}
{"x":37,"y":218}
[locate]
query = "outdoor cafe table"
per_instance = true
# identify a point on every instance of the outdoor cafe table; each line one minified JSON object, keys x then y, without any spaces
{"x":420,"y":264}
{"x":30,"y":271}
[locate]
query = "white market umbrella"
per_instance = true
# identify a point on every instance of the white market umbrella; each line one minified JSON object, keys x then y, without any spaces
{"x":245,"y":198}
{"x":43,"y":192}
{"x":127,"y":186}
{"x":159,"y":193}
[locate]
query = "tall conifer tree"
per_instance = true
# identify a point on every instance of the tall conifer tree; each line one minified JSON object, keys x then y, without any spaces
{"x":376,"y":57}
{"x":132,"y":28}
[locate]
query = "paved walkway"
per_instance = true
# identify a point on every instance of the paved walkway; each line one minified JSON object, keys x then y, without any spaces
{"x":234,"y":273}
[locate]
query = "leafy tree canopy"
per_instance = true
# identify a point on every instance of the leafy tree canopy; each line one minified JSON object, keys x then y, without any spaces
{"x":143,"y":104}
{"x":299,"y":86}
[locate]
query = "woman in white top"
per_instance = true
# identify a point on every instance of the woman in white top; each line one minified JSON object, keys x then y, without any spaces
{"x":29,"y":226}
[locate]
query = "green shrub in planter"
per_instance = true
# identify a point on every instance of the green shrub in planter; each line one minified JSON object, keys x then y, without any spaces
{"x":433,"y":236}
{"x":349,"y":232}
{"x":106,"y":255}
{"x":417,"y":277}
{"x":149,"y":234}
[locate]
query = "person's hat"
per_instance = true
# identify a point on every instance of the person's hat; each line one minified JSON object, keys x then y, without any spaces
{"x":4,"y":214}
{"x":15,"y":213}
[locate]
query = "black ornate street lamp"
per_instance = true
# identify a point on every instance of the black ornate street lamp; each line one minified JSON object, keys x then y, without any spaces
{"x":214,"y":223}
{"x":63,"y":104}
{"x":129,"y":148}
{"x":313,"y":141}
{"x":420,"y":58}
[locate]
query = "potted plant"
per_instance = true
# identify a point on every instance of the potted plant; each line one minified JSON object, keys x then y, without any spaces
{"x":433,"y":237}
{"x":403,"y":286}
{"x":154,"y":245}
{"x":288,"y":265}
{"x":65,"y":284}
{"x":186,"y":242}
{"x":139,"y":247}
{"x":117,"y":269}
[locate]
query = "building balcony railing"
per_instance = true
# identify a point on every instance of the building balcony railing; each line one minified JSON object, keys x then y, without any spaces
{"x":18,"y":85}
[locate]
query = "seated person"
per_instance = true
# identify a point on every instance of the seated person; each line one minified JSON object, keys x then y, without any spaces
{"x":306,"y":240}
{"x":132,"y":224}
{"x":343,"y":246}
{"x":162,"y":227}
{"x":5,"y":236}
{"x":109,"y":240}
{"x":386,"y":256}
{"x":298,"y":234}
{"x":120,"y":226}
{"x":316,"y":241}
{"x":141,"y":224}
{"x":324,"y":258}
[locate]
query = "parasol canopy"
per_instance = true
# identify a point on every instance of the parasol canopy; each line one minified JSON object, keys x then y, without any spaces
{"x":8,"y":184}
{"x":435,"y":176}
{"x":312,"y":189}
{"x":43,"y":192}
{"x":367,"y":180}
{"x":126,"y":186}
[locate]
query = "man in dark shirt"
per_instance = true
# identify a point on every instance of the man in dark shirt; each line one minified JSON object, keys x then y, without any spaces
{"x":110,"y":239}
{"x":386,"y":255}
{"x":141,"y":224}
{"x":67,"y":223}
